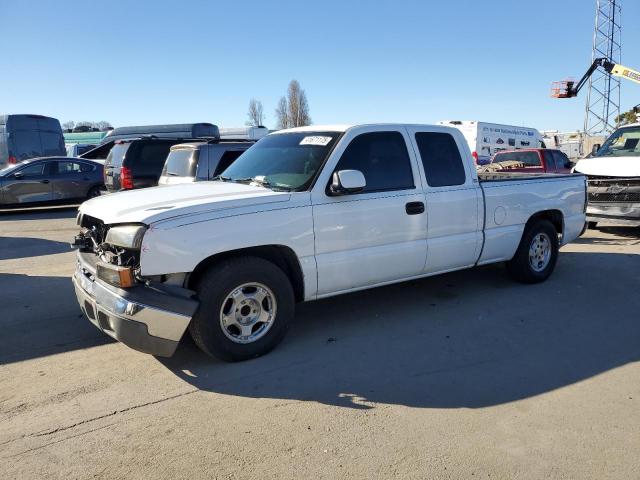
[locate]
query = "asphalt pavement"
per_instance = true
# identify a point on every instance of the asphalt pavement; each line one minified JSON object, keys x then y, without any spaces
{"x":464,"y":375}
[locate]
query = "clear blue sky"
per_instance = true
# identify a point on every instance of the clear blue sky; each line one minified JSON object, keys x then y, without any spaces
{"x":143,"y":62}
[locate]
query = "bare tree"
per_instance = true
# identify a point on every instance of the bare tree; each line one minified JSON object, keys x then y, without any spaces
{"x":282,"y":115}
{"x":298,"y":107}
{"x":69,"y":125}
{"x":103,"y":125}
{"x":255,"y":113}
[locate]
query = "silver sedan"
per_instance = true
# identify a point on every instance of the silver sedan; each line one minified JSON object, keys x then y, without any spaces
{"x":50,"y":179}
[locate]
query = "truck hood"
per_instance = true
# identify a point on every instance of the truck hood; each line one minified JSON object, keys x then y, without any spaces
{"x":155,"y":204}
{"x":610,"y":166}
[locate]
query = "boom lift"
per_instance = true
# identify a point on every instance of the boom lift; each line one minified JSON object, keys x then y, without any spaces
{"x":570,"y":89}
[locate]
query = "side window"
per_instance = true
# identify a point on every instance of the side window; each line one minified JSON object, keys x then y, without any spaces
{"x":561,"y":160}
{"x":530,"y":159}
{"x":85,"y":167}
{"x":227,"y":159}
{"x":154,"y":154}
{"x":30,"y":171}
{"x":383,"y":159}
{"x":67,"y":168}
{"x":441,"y":159}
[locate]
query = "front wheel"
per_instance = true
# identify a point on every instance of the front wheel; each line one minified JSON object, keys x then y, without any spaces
{"x":246,"y":305}
{"x":537,"y":253}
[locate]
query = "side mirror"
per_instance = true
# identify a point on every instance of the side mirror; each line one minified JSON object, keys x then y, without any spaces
{"x":595,"y":148}
{"x":346,"y":182}
{"x":18,"y":175}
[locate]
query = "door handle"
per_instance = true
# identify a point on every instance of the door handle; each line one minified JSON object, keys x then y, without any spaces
{"x":44,"y":181}
{"x":414,"y":208}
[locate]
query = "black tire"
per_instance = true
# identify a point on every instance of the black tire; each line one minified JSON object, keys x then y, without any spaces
{"x":213,"y":289}
{"x":94,"y":192}
{"x":520,"y":267}
{"x":592,"y":225}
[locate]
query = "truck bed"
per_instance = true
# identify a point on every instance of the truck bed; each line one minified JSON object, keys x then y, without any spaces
{"x":510,"y":199}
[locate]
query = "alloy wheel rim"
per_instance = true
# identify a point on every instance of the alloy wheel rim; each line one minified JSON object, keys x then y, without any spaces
{"x":540,"y":252}
{"x":248,"y":313}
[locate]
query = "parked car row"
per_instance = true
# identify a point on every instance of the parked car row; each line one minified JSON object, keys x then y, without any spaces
{"x":133,"y":157}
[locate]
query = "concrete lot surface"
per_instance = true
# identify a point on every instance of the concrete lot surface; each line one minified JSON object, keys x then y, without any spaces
{"x":466,"y":375}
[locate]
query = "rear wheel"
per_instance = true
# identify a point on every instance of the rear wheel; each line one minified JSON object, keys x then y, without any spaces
{"x":537,"y":253}
{"x":94,"y":192}
{"x":246,"y":305}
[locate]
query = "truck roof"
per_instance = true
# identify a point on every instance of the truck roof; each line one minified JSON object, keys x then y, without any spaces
{"x":344,"y":128}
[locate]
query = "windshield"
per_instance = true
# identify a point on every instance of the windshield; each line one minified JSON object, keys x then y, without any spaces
{"x":287,"y":161}
{"x":624,"y":142}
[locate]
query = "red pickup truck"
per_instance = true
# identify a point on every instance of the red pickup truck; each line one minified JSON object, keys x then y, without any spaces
{"x":531,"y":160}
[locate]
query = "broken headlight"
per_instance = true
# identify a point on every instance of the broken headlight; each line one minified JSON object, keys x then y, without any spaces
{"x":126,"y":236}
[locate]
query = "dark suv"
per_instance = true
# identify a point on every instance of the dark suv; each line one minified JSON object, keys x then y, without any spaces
{"x":136,"y":163}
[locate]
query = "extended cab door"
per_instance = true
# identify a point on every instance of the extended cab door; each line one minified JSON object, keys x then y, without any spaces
{"x":376,"y":235}
{"x":453,"y":199}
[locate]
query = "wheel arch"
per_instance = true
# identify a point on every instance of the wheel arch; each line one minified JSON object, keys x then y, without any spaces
{"x":556,"y":218}
{"x":281,"y":255}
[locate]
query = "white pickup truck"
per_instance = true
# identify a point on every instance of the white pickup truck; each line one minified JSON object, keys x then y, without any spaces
{"x":308,"y":213}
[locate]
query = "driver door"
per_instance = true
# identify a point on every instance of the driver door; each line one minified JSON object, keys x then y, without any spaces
{"x":29,"y":184}
{"x":377,"y":235}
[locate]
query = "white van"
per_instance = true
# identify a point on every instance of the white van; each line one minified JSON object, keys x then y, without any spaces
{"x":485,"y":139}
{"x":243,"y":133}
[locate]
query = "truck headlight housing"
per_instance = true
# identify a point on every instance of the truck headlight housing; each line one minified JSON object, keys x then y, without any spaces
{"x":118,"y":276}
{"x":126,"y":236}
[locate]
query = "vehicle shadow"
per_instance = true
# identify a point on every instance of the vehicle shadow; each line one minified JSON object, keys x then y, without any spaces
{"x":24,"y":247}
{"x":40,"y":316}
{"x":38,"y":213}
{"x":468,"y":339}
{"x":600,"y":236}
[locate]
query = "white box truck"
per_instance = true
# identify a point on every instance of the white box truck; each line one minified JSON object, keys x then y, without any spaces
{"x":485,"y":139}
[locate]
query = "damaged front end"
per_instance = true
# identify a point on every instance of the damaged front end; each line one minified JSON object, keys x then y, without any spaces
{"x":116,"y":248}
{"x":147,"y":314}
{"x":613,"y":200}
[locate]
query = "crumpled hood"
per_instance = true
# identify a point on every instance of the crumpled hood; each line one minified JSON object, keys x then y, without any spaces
{"x":610,"y":166}
{"x":149,"y":205}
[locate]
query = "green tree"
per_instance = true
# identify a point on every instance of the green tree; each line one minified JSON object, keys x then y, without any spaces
{"x":627,"y":117}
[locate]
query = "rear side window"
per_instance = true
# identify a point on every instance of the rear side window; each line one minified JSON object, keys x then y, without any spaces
{"x":528,"y":159}
{"x":383,"y":159}
{"x":116,"y":154}
{"x":150,"y":154}
{"x":65,"y":168}
{"x":441,"y":159}
{"x":181,"y":163}
{"x":561,"y":160}
{"x":227,"y":159}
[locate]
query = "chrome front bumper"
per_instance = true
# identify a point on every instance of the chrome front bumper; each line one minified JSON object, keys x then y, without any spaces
{"x":614,"y":213}
{"x":142,"y":317}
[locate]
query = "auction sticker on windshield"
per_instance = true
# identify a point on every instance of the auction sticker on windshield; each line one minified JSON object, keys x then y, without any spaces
{"x":317,"y":140}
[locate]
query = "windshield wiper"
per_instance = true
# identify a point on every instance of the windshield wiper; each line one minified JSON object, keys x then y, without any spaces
{"x":263,"y":182}
{"x":221,"y":178}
